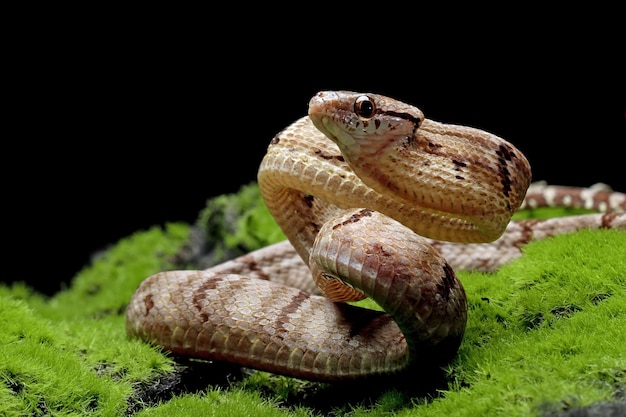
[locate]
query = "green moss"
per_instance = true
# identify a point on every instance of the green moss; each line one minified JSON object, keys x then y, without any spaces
{"x":544,"y":334}
{"x":105,"y":287}
{"x":45,"y":373}
{"x":242,"y":221}
{"x":234,"y":402}
{"x":548,"y":212}
{"x":543,"y":331}
{"x":69,"y":355}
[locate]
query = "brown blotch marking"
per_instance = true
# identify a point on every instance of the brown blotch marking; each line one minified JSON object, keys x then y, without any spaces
{"x":433,"y":145}
{"x":506,"y":152}
{"x":458,"y":167}
{"x":320,"y":154}
{"x":435,"y":148}
{"x":607,"y":220}
{"x":506,"y":184}
{"x":315,"y":227}
{"x":148,"y":303}
{"x":354,"y":218}
{"x":253,"y":266}
{"x":527,"y":232}
{"x":293,"y":306}
{"x":275,"y":140}
{"x":459,"y":164}
{"x":505,"y":155}
{"x":308,"y":200}
{"x":448,"y":282}
{"x":200,"y":294}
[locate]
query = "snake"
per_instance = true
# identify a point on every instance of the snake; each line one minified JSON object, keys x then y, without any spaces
{"x":376,"y":201}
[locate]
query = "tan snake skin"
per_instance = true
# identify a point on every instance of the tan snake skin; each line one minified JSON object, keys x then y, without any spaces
{"x":367,"y":212}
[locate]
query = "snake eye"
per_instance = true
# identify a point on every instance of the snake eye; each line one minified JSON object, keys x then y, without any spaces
{"x":364,"y":107}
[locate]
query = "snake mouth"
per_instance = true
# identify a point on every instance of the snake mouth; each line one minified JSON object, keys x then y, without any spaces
{"x":318,"y":111}
{"x":325,"y":124}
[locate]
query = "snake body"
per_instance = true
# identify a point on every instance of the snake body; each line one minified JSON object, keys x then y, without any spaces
{"x":371,"y":196}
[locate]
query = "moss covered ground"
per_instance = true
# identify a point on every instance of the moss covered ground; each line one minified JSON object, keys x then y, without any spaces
{"x":546,"y":336}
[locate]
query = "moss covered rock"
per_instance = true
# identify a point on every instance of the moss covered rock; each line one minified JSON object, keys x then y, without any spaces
{"x":545,"y":336}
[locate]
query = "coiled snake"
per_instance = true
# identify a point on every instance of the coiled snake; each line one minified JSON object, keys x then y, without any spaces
{"x":368,"y":191}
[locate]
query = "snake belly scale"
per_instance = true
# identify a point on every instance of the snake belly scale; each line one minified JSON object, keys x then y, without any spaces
{"x":367,"y":190}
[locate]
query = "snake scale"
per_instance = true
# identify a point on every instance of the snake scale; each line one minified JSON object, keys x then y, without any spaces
{"x":376,"y":201}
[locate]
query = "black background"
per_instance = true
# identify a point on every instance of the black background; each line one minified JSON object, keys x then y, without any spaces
{"x":118,"y":126}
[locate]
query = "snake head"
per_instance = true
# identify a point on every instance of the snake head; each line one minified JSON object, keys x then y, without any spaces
{"x":363,"y":123}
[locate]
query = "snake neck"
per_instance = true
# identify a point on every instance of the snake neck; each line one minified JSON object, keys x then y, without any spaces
{"x":305,"y":180}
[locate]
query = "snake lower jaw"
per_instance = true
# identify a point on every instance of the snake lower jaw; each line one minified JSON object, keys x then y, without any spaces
{"x":343,"y":140}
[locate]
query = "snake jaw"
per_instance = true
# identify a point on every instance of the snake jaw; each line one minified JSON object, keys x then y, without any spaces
{"x":343,"y":139}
